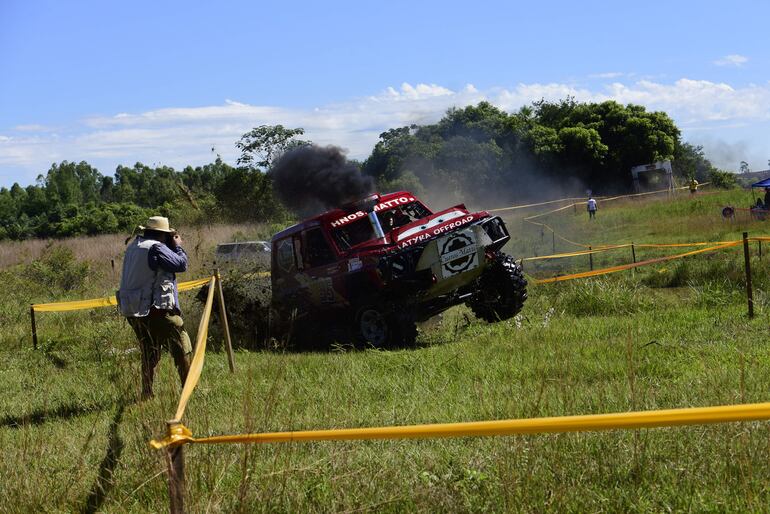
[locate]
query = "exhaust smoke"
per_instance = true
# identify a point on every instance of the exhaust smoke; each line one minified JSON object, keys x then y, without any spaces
{"x":310,"y":179}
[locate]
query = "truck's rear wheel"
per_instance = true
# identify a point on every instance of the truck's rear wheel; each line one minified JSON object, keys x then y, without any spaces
{"x":502,"y":291}
{"x":381,"y":327}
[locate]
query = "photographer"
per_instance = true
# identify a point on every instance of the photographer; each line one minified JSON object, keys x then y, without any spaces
{"x":149,"y":299}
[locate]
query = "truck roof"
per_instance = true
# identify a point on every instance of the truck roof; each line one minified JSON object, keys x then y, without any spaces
{"x":335,"y":215}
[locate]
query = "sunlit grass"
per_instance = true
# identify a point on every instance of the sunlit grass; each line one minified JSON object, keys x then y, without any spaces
{"x":671,"y":335}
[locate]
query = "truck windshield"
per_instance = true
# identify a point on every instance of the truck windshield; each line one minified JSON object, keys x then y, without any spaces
{"x":361,"y":230}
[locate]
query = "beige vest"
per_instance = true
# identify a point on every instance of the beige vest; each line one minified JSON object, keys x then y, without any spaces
{"x":140,"y":286}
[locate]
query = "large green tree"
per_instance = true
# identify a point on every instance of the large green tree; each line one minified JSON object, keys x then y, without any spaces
{"x":481,"y":152}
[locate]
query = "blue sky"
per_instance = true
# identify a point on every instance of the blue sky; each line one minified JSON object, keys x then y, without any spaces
{"x":162,"y":82}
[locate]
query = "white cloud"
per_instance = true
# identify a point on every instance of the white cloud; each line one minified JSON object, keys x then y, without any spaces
{"x":735,"y":60}
{"x":606,"y":75}
{"x":178,"y":136}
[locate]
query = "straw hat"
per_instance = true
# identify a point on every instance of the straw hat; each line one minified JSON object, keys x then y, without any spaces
{"x":157,"y":223}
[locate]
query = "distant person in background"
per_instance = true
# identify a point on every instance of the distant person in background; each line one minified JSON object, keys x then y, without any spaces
{"x":591,"y":204}
{"x":149,"y":299}
{"x":693,"y":186}
{"x":767,"y":197}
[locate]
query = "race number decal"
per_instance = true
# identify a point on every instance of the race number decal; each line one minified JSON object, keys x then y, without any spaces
{"x":458,"y":253}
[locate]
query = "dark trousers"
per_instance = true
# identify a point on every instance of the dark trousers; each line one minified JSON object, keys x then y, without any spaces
{"x":158,"y":330}
{"x":591,"y":214}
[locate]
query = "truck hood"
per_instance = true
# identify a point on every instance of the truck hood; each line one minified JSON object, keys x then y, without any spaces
{"x":426,"y":228}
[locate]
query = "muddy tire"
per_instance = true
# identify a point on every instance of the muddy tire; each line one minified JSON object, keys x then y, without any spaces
{"x":502,"y":291}
{"x":381,"y":327}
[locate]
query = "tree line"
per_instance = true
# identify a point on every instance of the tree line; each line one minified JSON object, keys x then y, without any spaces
{"x":476,"y":154}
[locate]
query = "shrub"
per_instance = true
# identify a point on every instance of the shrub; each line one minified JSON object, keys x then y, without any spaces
{"x":723,"y":179}
{"x":247,"y":296}
{"x":58,"y":270}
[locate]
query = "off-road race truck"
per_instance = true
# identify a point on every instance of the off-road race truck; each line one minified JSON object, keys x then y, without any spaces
{"x":370,"y":270}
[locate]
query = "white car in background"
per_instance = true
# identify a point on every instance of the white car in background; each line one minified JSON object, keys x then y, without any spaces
{"x":243,"y":252}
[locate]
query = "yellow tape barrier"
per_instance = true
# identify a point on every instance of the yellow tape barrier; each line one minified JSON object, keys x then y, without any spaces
{"x":623,"y":267}
{"x":651,"y":192}
{"x":600,"y":249}
{"x":582,"y":199}
{"x":196,"y":366}
{"x":514,"y":207}
{"x":179,"y":434}
{"x":546,"y":213}
{"x":104,"y":302}
{"x":559,"y":209}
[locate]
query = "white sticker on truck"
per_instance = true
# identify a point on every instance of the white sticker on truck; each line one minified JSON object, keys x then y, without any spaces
{"x":458,"y":253}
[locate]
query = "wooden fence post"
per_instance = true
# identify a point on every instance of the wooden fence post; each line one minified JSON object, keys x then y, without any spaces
{"x":633,"y":252}
{"x":590,"y":258}
{"x":225,"y":325}
{"x":747,"y":263}
{"x":175,"y":462}
{"x":34,"y":326}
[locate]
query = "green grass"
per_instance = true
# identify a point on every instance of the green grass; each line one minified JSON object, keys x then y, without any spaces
{"x":73,"y":435}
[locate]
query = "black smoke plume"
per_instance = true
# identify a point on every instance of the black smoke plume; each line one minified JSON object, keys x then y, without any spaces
{"x":310,"y":179}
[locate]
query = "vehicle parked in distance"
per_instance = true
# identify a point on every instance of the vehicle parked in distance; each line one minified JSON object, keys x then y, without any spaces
{"x":243,"y":252}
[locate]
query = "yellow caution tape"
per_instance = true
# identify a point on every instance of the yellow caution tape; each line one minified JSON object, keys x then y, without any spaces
{"x":600,"y":249}
{"x":680,"y":245}
{"x":193,"y":284}
{"x":529,"y":218}
{"x":559,"y":209}
{"x":624,"y":267}
{"x":196,"y":366}
{"x":179,"y":434}
{"x":103,"y":302}
{"x":651,"y":192}
{"x":582,"y":199}
{"x":75,"y":306}
{"x":514,"y":207}
{"x":575,"y":254}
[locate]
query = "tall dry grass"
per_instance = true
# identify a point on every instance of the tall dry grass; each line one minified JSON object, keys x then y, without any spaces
{"x":101,"y":251}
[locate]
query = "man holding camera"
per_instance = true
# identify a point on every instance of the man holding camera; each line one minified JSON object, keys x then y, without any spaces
{"x":149,"y":299}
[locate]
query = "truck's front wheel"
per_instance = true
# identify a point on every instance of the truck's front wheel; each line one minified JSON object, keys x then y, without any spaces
{"x":502,"y":291}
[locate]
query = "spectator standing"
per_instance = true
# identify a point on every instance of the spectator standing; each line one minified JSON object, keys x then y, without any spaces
{"x":149,"y":299}
{"x":591,"y":205}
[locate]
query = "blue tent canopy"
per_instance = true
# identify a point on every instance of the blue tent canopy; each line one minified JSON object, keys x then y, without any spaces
{"x":762,"y":183}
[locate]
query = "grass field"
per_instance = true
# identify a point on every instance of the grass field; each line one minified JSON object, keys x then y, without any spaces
{"x":73,"y":434}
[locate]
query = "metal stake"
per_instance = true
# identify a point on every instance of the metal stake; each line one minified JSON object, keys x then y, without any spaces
{"x":747,"y":263}
{"x":34,"y":326}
